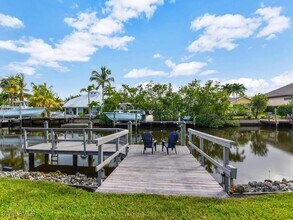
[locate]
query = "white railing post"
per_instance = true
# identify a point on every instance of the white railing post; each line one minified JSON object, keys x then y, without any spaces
{"x":117,"y":148}
{"x":53,"y":141}
{"x":84,"y":141}
{"x":201,"y":146}
{"x":100,"y":160}
{"x":225,"y":164}
{"x":25,"y":144}
{"x":190,"y":140}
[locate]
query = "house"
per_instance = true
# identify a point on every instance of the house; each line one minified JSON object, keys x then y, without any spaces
{"x":281,"y":96}
{"x":240,"y":101}
{"x":79,"y":106}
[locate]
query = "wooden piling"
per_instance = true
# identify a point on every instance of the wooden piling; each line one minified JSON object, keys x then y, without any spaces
{"x":74,"y":160}
{"x":31,"y":161}
{"x":46,"y":159}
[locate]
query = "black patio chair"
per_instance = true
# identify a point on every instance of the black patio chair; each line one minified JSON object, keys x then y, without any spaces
{"x":172,"y":140}
{"x":149,"y":142}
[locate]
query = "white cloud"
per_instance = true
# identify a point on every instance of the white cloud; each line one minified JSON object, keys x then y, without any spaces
{"x":123,"y":10}
{"x":144,"y":72}
{"x":222,"y":32}
{"x":89,"y":34}
{"x":74,"y":5}
{"x":172,"y":1}
{"x":184,"y":69}
{"x":276,"y":23}
{"x":9,"y":21}
{"x":208,"y":72}
{"x":255,"y":86}
{"x":157,"y":56}
{"x":283,"y":79}
{"x":21,"y":68}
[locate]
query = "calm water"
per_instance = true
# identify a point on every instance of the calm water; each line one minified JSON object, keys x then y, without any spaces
{"x":259,"y":154}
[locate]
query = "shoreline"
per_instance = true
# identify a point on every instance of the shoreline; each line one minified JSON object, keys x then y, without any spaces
{"x":252,"y":188}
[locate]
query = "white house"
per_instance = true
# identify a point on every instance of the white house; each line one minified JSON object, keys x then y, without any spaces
{"x":280,"y":96}
{"x":79,"y":105}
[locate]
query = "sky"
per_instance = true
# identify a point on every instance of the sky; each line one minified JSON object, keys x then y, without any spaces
{"x":60,"y":42}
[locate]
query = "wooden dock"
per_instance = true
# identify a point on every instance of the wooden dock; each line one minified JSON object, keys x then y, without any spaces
{"x":159,"y":173}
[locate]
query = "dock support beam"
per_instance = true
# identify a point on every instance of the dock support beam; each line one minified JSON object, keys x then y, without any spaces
{"x":74,"y":160}
{"x":90,"y":160}
{"x":31,"y":161}
{"x":46,"y":159}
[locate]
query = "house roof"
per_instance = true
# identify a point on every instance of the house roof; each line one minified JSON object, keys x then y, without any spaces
{"x":82,"y":101}
{"x":283,"y":91}
{"x":237,"y":99}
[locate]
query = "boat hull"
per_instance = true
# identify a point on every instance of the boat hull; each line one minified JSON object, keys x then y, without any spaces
{"x":122,"y":116}
{"x":27,"y":112}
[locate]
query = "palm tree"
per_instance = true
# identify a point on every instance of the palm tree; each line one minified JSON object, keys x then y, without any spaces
{"x":21,"y":85}
{"x":102,"y":79}
{"x":9,"y":85}
{"x":44,"y":96}
{"x":235,"y":89}
{"x":88,"y":89}
{"x":239,"y":89}
{"x":228,"y":88}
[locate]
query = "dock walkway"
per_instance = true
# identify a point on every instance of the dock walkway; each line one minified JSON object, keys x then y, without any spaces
{"x":159,"y":173}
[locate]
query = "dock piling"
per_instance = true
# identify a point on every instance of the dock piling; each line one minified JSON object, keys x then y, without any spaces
{"x":46,"y":126}
{"x":183,"y":133}
{"x":31,"y":161}
{"x":130,"y":132}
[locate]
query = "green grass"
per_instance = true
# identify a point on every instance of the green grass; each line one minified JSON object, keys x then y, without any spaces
{"x":26,"y":199}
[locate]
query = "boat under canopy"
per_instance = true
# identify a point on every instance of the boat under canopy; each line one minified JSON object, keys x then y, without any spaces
{"x":125,"y":115}
{"x":20,"y":112}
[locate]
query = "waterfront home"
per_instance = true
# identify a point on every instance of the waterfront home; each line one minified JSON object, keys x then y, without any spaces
{"x":240,"y":101}
{"x":281,"y":96}
{"x":79,"y":106}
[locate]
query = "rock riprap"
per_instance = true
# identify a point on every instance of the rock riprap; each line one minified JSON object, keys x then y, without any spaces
{"x":76,"y":180}
{"x":266,"y":186}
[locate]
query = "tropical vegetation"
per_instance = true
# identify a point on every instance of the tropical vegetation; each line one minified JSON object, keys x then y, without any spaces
{"x":259,"y":104}
{"x":48,"y":200}
{"x":103,"y":79}
{"x":206,"y":104}
{"x":14,"y":89}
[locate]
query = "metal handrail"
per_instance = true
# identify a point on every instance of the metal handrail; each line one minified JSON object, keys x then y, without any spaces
{"x":229,"y":171}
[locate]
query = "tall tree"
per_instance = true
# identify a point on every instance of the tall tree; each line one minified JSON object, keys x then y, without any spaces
{"x":9,"y":85}
{"x":103,"y":79}
{"x":234,"y":89}
{"x":21,"y":85}
{"x":44,"y":96}
{"x":259,"y":104}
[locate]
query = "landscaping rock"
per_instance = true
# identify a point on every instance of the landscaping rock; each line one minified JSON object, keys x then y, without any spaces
{"x":78,"y":179}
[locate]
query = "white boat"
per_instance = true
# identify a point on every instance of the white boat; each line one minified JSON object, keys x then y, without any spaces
{"x":125,"y":115}
{"x":20,"y":112}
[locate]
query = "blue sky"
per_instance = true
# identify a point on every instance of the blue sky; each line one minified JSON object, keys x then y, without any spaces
{"x":61,"y":41}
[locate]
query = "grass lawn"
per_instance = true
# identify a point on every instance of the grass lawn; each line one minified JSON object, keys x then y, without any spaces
{"x":44,"y":200}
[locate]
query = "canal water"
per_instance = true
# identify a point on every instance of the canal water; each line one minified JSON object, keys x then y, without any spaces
{"x":259,"y":153}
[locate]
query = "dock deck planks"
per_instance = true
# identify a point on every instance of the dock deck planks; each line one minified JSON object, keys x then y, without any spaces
{"x":173,"y":174}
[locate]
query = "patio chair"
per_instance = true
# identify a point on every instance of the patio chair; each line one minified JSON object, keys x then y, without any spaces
{"x":172,"y":140}
{"x":149,"y":142}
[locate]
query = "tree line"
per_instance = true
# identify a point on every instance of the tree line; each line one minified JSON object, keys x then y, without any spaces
{"x":209,"y":103}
